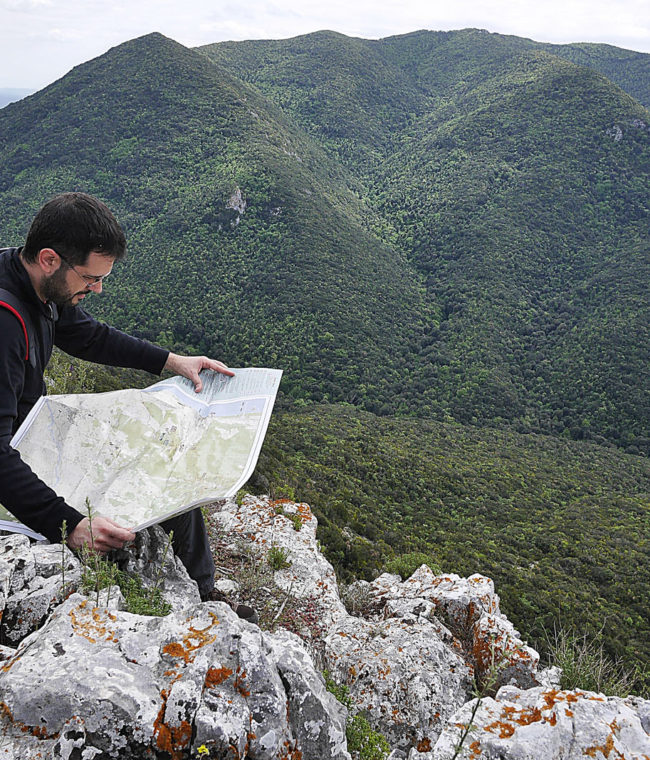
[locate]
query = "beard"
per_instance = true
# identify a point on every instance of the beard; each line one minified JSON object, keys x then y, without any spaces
{"x":55,"y":289}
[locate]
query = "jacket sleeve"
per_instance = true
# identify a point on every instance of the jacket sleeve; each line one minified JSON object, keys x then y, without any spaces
{"x":22,"y":492}
{"x":79,"y":334}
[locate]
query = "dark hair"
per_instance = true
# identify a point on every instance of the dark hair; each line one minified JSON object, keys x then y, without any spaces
{"x":74,"y":224}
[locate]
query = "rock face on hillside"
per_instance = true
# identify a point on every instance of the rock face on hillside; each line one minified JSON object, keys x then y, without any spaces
{"x":93,"y":682}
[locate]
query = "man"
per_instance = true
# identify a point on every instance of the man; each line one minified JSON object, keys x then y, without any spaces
{"x":70,"y":249}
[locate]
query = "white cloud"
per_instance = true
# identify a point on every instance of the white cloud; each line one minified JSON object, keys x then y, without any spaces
{"x":47,"y":38}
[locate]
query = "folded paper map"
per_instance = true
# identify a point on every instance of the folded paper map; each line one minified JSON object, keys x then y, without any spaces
{"x":142,"y":456}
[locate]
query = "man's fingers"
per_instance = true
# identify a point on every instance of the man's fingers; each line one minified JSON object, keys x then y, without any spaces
{"x":221,"y":367}
{"x":106,"y":535}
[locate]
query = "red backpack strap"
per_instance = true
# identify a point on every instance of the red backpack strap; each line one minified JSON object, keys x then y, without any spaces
{"x":11,"y":303}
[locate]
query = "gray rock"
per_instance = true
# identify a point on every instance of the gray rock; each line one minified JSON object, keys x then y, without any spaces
{"x":143,"y":687}
{"x":16,"y":551}
{"x":546,"y":724}
{"x":403,"y":673}
{"x":263,"y":523}
{"x":317,"y":719}
{"x":469,"y":608}
{"x":152,"y":559}
{"x":227,"y":587}
{"x":35,"y":585}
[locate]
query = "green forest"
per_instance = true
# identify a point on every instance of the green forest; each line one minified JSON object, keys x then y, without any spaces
{"x":442,"y":239}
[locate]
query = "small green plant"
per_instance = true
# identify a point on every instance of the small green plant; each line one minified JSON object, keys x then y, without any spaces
{"x":97,"y":573}
{"x":363,"y":741}
{"x":64,"y":540}
{"x":100,"y":572}
{"x":294,"y":518}
{"x":278,"y":558}
{"x":370,"y":744}
{"x":141,"y":600}
{"x":340,"y":690}
{"x":295,"y":521}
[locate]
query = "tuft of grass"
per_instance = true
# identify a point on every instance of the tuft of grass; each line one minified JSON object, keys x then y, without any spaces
{"x":585,"y":664}
{"x":99,"y":572}
{"x":295,"y":521}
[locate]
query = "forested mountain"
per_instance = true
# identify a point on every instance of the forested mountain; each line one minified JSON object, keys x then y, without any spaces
{"x":516,"y":184}
{"x":249,"y":243}
{"x":442,"y":238}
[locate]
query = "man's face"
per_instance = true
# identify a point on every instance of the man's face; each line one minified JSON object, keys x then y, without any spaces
{"x":68,"y":285}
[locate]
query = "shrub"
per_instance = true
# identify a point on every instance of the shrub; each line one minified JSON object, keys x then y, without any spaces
{"x":364,"y":743}
{"x":278,"y":558}
{"x":406,"y":564}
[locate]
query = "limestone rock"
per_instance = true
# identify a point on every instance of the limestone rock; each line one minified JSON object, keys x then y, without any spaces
{"x":263,"y":523}
{"x":469,"y":608}
{"x":403,"y":673}
{"x":34,"y":585}
{"x":160,"y":687}
{"x":144,"y":559}
{"x":547,"y":724}
{"x":409,"y":661}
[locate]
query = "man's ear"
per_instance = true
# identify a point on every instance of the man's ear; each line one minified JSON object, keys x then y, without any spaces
{"x":48,"y":260}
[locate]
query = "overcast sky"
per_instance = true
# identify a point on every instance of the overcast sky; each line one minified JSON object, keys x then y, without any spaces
{"x":43,"y":39}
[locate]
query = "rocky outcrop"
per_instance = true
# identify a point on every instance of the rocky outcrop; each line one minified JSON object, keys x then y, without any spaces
{"x":141,"y":687}
{"x":469,"y":607}
{"x":409,"y":662}
{"x":91,"y":681}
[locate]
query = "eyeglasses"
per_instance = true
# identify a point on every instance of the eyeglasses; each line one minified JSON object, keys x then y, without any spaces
{"x":89,"y":279}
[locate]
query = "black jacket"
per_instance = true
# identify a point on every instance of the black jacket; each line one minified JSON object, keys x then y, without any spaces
{"x":21,"y":384}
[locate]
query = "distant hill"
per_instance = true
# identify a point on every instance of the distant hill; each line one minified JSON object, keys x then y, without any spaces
{"x":175,"y":145}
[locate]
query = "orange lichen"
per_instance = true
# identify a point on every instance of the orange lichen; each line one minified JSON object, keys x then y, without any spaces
{"x":290,"y":753}
{"x":176,"y":650}
{"x":171,"y":739}
{"x":193,"y":640}
{"x":216,"y":676}
{"x":475,"y":747}
{"x":509,"y":717}
{"x":239,"y":683}
{"x":10,"y":663}
{"x":39,"y":731}
{"x":304,"y":512}
{"x":424,"y":745}
{"x":506,"y":730}
{"x":95,"y":628}
{"x":550,"y":697}
{"x":606,"y":749}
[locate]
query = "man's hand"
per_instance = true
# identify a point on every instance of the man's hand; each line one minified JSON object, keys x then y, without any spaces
{"x":106,"y":535}
{"x":190,"y":366}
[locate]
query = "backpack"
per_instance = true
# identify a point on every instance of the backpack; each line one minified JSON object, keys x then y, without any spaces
{"x":13,"y":304}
